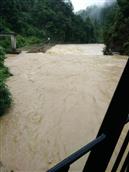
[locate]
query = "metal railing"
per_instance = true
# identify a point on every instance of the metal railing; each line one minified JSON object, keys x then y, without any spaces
{"x":121,"y":153}
{"x":103,"y":146}
{"x":65,"y":164}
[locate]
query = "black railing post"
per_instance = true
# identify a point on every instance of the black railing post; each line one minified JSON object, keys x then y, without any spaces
{"x":64,"y":165}
{"x":112,"y":126}
{"x":125,"y":166}
{"x":64,"y":169}
{"x":121,"y":153}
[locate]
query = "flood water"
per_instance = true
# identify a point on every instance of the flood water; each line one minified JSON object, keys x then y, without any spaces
{"x":59,"y":101}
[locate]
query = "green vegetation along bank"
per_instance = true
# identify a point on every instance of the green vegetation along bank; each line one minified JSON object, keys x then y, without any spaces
{"x":5,"y":96}
{"x":116,"y":36}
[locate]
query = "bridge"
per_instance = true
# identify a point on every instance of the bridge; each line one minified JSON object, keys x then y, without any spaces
{"x":12,"y":36}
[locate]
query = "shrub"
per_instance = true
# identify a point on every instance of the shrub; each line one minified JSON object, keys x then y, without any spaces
{"x":2,"y":54}
{"x":26,"y":41}
{"x":21,"y":42}
{"x":33,"y":40}
{"x":5,"y":42}
{"x":107,"y":51}
{"x":125,"y":48}
{"x":5,"y":96}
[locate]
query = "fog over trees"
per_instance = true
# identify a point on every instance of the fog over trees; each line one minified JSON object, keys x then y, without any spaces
{"x":111,"y":22}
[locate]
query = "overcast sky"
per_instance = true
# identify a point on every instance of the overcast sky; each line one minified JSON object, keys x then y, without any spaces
{"x":82,"y":4}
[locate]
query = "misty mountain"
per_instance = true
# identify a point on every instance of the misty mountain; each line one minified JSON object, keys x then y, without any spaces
{"x":95,"y":13}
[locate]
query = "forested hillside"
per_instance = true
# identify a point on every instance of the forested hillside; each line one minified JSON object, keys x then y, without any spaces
{"x":111,"y":23}
{"x":116,"y":36}
{"x":99,"y":15}
{"x":36,"y":20}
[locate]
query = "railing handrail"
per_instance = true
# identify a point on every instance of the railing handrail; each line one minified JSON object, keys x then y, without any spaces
{"x":78,"y":154}
{"x":7,"y":33}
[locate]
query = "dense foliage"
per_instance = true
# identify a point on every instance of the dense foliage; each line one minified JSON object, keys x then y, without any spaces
{"x":116,"y":36}
{"x":5,"y":97}
{"x":111,"y":23}
{"x":99,"y":15}
{"x":93,"y":13}
{"x":36,"y":20}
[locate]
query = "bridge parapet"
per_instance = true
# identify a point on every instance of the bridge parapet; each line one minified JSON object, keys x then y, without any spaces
{"x":12,"y":36}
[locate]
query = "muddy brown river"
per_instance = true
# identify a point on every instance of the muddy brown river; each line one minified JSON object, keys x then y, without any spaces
{"x":59,"y":101}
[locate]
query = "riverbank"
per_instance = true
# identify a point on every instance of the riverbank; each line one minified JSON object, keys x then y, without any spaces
{"x":39,"y":48}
